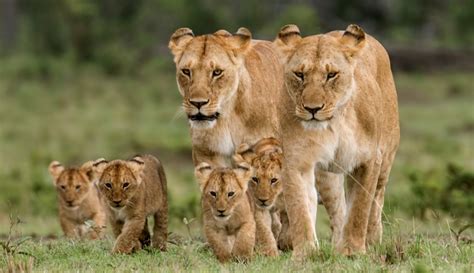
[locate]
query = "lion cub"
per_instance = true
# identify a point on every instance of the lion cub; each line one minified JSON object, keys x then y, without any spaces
{"x":132,"y":190}
{"x":78,"y":201}
{"x":266,"y":158}
{"x":229,"y":225}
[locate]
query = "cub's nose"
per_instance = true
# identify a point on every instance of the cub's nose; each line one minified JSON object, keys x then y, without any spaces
{"x":117,"y":203}
{"x":199,"y":103}
{"x":263,"y":201}
{"x":313,"y":110}
{"x":69,"y":203}
{"x":221,"y":210}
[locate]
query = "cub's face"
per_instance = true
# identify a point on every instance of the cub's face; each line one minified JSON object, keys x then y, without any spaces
{"x":207,"y":72}
{"x":118,"y":180}
{"x":266,"y":184}
{"x":222,"y":188}
{"x":72,"y":184}
{"x":319,"y":72}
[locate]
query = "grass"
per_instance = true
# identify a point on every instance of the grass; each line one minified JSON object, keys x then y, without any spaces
{"x":53,"y":111}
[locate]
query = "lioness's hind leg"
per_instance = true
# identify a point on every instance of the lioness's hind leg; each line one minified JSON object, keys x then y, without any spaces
{"x":160,"y":229}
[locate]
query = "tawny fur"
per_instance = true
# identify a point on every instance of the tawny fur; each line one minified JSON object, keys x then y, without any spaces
{"x":345,"y":78}
{"x":131,"y":191}
{"x":227,"y":211}
{"x":81,"y":214}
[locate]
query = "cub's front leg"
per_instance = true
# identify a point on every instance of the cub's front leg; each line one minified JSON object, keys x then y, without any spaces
{"x":244,"y":241}
{"x":69,"y":228}
{"x":219,"y":243}
{"x":128,"y":240}
{"x":265,"y":238}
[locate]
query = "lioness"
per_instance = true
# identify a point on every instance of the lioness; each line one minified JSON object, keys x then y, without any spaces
{"x":131,"y":191}
{"x":78,"y":201}
{"x":341,"y":115}
{"x":231,"y":86}
{"x":229,"y":225}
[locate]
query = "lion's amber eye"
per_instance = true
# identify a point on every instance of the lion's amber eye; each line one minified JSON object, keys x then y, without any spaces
{"x":125,"y":185}
{"x":216,"y":72}
{"x":230,"y":194}
{"x":186,"y":72}
{"x":300,"y":75}
{"x":331,"y":75}
{"x":213,"y":193}
{"x":108,"y":185}
{"x":255,"y":179}
{"x":274,"y":180}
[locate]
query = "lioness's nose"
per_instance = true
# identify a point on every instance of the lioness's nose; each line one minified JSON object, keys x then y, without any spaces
{"x":313,"y":110}
{"x":199,"y":103}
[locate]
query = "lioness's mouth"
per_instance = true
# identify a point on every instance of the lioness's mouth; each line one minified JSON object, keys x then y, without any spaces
{"x":201,"y":117}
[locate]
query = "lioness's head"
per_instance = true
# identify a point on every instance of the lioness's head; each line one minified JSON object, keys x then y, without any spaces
{"x":72,"y":184}
{"x":208,"y":69}
{"x":119,"y":180}
{"x":266,"y":158}
{"x":319,"y":71}
{"x":223,"y":188}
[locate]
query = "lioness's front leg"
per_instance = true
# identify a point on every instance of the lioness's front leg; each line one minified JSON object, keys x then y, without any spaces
{"x":362,"y":188}
{"x":244,"y":242}
{"x":299,"y":215}
{"x":266,"y":242}
{"x":128,"y":240}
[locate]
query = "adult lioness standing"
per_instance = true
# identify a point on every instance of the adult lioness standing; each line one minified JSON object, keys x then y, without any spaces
{"x":340,"y":115}
{"x":231,"y":86}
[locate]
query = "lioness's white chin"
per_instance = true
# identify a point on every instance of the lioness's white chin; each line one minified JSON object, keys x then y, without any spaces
{"x":315,"y":124}
{"x":202,"y":124}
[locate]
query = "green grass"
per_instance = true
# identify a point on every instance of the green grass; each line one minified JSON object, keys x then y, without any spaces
{"x":52,"y":111}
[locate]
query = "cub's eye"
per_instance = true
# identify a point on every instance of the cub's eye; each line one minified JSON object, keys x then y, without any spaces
{"x":216,"y":72}
{"x":230,"y":194}
{"x":300,"y":75}
{"x":186,"y":72}
{"x":255,"y":179}
{"x":63,"y":187}
{"x":331,"y":75}
{"x":125,"y":185}
{"x":213,"y":193}
{"x":108,"y":185}
{"x":78,"y":187}
{"x":274,"y":180}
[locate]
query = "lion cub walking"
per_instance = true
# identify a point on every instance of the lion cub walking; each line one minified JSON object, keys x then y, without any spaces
{"x":266,"y":158}
{"x":131,"y":191}
{"x":229,"y":225}
{"x":78,"y":201}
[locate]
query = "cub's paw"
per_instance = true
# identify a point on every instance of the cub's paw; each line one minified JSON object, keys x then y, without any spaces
{"x":126,"y":247}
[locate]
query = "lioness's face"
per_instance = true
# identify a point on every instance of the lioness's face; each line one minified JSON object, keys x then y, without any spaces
{"x":265,"y":185}
{"x":223,"y":189}
{"x":207,"y":72}
{"x":118,"y":181}
{"x":319,"y":75}
{"x":72,"y":184}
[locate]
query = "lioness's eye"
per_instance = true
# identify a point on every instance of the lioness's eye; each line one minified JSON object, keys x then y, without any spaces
{"x":255,"y":179}
{"x":274,"y":180}
{"x":186,"y":72}
{"x":125,"y":185}
{"x":331,"y":75}
{"x":108,"y":185}
{"x":230,"y":194}
{"x":216,"y":72}
{"x":300,"y":75}
{"x":213,"y":193}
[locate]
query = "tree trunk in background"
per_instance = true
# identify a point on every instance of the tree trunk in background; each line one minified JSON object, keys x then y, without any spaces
{"x":8,"y":19}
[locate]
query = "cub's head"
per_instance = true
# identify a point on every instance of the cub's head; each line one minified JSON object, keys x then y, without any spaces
{"x":208,"y":69}
{"x":223,"y":188}
{"x":119,"y":180}
{"x":72,"y":184}
{"x":319,"y":71}
{"x":266,"y":158}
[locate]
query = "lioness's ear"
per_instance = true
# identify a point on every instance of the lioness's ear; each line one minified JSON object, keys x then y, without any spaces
{"x":55,"y":169}
{"x":288,"y":37}
{"x":202,"y":172}
{"x":353,"y":39}
{"x":241,"y":40}
{"x":137,"y":165}
{"x":179,"y":40}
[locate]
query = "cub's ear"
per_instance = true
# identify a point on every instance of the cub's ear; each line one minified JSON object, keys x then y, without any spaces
{"x":244,"y":152}
{"x":98,"y":166}
{"x":88,"y":169}
{"x":243,"y":170}
{"x":223,"y":32}
{"x":202,"y":172}
{"x":136,"y":165}
{"x":55,"y":169}
{"x":241,"y":40}
{"x":353,"y":39}
{"x":178,"y":41}
{"x":288,"y":37}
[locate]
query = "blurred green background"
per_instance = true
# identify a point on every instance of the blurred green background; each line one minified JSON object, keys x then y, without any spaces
{"x":82,"y":79}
